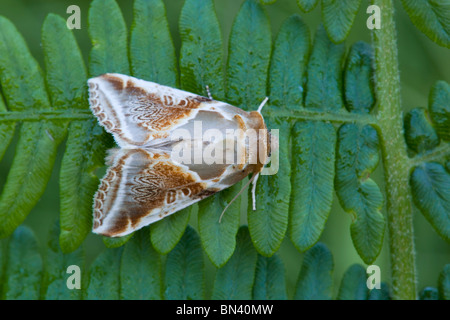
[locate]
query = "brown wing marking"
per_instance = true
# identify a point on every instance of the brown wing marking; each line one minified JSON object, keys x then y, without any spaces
{"x":138,"y":186}
{"x":122,"y":104}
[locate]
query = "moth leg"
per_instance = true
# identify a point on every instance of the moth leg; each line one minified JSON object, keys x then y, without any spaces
{"x":254,"y":190}
{"x":236,"y":196}
{"x":209,"y":93}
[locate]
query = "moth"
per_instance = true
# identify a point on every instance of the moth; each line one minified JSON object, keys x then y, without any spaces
{"x":168,"y":158}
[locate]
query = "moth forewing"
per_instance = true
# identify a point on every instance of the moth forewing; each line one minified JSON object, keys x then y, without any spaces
{"x":176,"y":148}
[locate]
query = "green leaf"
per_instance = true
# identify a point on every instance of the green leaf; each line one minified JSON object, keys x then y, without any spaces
{"x":313,"y":148}
{"x":166,"y":233}
{"x":288,"y":65}
{"x":184,"y":271}
{"x":439,"y":106}
{"x":85,"y":151}
{"x":359,"y":78}
{"x":20,"y":75}
{"x":353,"y":284}
{"x":234,"y":281}
{"x":66,"y":85}
{"x":444,"y":283}
{"x":55,"y":272}
{"x":430,"y":186}
{"x":338,"y":17}
{"x":432,"y":17}
{"x":140,"y":269}
{"x":380,"y":294}
{"x":23,"y":272}
{"x":270,"y":280}
{"x":357,"y":157}
{"x":419,"y":132}
{"x":31,"y":169}
{"x":201,"y":54}
{"x":307,"y":5}
{"x":24,"y":89}
{"x":3,"y":259}
{"x":248,"y":56}
{"x":323,"y":89}
{"x":267,"y":1}
{"x":219,"y":238}
{"x":116,"y":242}
{"x":429,"y":293}
{"x":6,"y":131}
{"x":152,"y":53}
{"x":108,"y":34}
{"x":315,"y":281}
{"x":268,"y":223}
{"x":104,"y":276}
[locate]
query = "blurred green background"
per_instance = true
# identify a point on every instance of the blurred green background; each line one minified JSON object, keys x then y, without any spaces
{"x":422,"y":63}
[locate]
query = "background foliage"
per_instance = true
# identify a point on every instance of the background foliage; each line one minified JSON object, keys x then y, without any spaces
{"x":244,"y":87}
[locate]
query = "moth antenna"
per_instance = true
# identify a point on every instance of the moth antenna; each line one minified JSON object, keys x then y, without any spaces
{"x":262,"y":104}
{"x":209,"y":93}
{"x":239,"y":193}
{"x":254,"y":190}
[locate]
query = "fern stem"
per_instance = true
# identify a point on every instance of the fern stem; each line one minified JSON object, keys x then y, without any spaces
{"x":299,"y":114}
{"x":439,"y":153}
{"x":338,"y":117}
{"x":22,"y":116}
{"x":395,"y":159}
